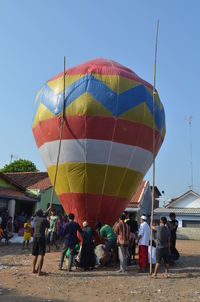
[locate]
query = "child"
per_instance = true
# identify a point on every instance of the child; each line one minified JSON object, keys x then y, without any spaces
{"x":27,"y":233}
{"x":8,"y":232}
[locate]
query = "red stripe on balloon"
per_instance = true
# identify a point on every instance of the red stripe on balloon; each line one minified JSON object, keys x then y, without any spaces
{"x":97,"y":127}
{"x":93,"y":207}
{"x":104,"y":67}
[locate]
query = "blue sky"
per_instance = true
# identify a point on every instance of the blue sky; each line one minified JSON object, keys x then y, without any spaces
{"x":35,"y":35}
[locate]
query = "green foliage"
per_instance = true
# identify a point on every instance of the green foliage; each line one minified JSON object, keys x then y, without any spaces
{"x":20,"y":165}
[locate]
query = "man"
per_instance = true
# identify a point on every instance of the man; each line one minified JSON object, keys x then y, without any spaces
{"x":143,"y":243}
{"x":71,"y":239}
{"x":107,"y":234}
{"x":173,"y":225}
{"x":53,"y":230}
{"x":123,"y":232}
{"x":39,"y":242}
{"x":163,"y":245}
{"x":133,"y":234}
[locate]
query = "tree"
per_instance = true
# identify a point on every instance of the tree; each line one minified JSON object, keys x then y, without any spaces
{"x":20,"y":165}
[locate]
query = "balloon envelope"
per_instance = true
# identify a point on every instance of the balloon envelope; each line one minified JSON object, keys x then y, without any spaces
{"x":107,"y":141}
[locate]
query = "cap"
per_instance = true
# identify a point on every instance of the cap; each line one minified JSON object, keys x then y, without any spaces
{"x":85,"y":224}
{"x":143,"y":217}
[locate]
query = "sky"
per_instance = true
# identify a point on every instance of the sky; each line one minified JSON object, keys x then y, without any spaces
{"x":36,"y":35}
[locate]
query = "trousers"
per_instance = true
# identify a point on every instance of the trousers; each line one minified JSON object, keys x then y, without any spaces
{"x":123,"y":254}
{"x":71,"y":255}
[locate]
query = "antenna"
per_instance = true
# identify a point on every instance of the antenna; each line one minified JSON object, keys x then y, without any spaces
{"x":189,"y":118}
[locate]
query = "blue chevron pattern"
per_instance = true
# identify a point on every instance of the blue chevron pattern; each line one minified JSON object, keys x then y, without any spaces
{"x":117,"y":104}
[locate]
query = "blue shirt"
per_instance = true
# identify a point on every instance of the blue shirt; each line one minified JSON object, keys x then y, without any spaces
{"x":70,"y":232}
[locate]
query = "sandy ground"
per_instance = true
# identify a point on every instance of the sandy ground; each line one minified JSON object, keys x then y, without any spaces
{"x":17,"y":283}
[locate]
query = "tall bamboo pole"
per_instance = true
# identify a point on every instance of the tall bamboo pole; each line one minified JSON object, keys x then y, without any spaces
{"x":153,"y":177}
{"x":60,"y":141}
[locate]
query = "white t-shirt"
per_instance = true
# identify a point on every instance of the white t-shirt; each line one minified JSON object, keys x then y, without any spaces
{"x":144,"y":231}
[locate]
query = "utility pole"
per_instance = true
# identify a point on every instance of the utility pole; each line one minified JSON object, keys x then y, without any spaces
{"x":11,"y":158}
{"x":189,"y":118}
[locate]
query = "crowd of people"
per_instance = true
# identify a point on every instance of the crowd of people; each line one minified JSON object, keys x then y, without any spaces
{"x":117,"y":243}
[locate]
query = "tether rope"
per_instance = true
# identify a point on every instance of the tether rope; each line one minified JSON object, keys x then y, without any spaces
{"x":60,"y":140}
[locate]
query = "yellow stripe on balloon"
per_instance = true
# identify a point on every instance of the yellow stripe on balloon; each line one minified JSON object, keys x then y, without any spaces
{"x":57,"y":85}
{"x":118,"y":86}
{"x":157,"y":98}
{"x":140,"y":114}
{"x":89,"y":178}
{"x":42,"y":114}
{"x":163,"y":131}
{"x":87,"y":105}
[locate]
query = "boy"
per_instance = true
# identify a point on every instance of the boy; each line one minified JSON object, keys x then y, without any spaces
{"x":163,"y":245}
{"x":27,"y":233}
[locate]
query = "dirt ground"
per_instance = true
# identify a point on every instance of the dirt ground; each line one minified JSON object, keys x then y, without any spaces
{"x":17,"y":283}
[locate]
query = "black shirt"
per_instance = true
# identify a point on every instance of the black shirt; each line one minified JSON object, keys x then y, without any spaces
{"x":70,"y":232}
{"x":162,"y":235}
{"x":133,"y":226}
{"x":40,"y":225}
{"x":87,"y":234}
{"x":174,"y":224}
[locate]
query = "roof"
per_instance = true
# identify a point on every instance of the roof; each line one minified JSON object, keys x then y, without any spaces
{"x":175,"y":200}
{"x":156,"y":190}
{"x":12,"y":181}
{"x":137,"y":197}
{"x":6,"y":193}
{"x":31,"y":180}
{"x":182,"y":211}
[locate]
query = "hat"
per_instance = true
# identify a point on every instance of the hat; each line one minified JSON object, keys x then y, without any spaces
{"x":143,"y":217}
{"x":85,"y":223}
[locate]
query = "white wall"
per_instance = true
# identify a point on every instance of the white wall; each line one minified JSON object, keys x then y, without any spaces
{"x":180,"y":218}
{"x":188,"y":201}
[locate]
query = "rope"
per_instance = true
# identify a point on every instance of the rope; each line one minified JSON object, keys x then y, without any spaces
{"x":60,"y":140}
{"x":153,"y":177}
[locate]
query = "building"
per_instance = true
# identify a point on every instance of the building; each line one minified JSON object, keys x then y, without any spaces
{"x":187,"y":210}
{"x":141,"y":202}
{"x":15,"y":198}
{"x":37,"y":183}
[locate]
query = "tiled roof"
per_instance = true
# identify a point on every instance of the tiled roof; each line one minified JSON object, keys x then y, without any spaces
{"x":11,"y":193}
{"x":135,"y":200}
{"x":42,"y":184}
{"x":139,"y":193}
{"x":31,"y":180}
{"x":183,"y":211}
{"x":175,"y":200}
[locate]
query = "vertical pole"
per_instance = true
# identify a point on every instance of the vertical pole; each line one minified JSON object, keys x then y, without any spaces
{"x":60,"y":141}
{"x":191,"y":165}
{"x":154,"y":144}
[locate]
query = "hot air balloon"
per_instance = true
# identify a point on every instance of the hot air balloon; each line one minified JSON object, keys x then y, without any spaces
{"x":107,"y":140}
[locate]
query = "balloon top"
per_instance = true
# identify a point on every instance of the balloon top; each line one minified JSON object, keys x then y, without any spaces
{"x":103,"y":67}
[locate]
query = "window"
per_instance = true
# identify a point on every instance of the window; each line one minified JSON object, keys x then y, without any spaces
{"x":191,"y":223}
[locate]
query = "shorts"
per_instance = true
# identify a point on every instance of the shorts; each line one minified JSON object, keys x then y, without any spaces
{"x":39,"y":246}
{"x":51,"y":237}
{"x":110,"y":245}
{"x":27,"y":236}
{"x":162,"y":253}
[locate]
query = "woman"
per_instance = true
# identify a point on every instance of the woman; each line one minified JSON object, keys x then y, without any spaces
{"x":87,"y":257}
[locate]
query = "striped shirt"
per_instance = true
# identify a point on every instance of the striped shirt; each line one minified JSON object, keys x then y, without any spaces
{"x":123,"y":232}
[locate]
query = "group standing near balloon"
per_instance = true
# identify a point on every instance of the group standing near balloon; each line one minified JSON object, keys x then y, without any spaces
{"x":117,"y":242}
